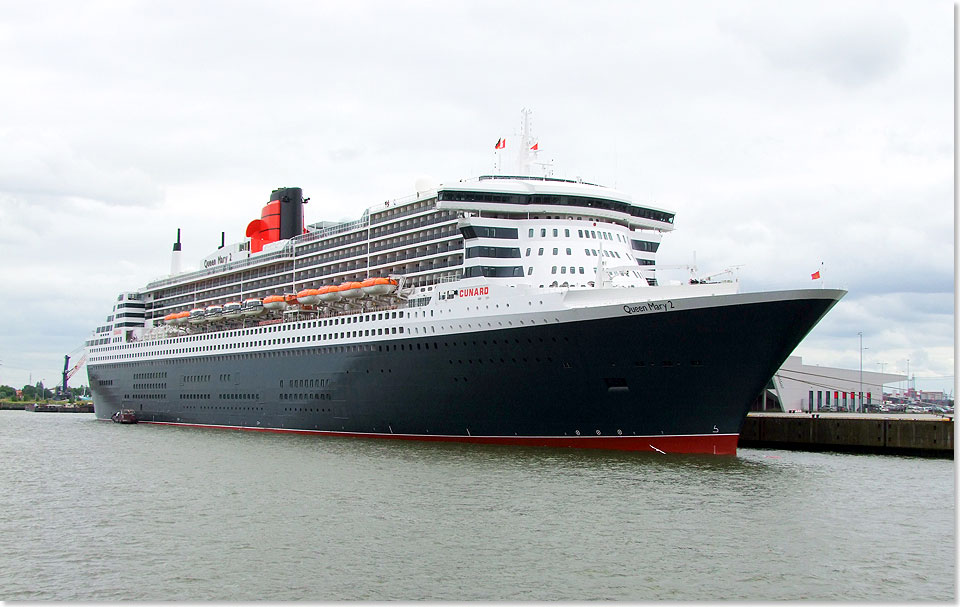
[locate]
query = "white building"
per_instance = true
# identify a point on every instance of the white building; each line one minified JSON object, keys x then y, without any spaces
{"x":800,"y":387}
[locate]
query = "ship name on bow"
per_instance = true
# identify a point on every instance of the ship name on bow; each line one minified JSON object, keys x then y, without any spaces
{"x":650,"y":306}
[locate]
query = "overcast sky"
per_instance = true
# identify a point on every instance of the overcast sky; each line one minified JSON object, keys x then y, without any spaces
{"x":783,"y":135}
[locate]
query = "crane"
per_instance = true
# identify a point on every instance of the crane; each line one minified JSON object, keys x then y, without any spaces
{"x":62,"y":391}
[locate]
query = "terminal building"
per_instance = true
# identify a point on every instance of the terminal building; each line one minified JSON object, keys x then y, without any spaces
{"x":800,"y":387}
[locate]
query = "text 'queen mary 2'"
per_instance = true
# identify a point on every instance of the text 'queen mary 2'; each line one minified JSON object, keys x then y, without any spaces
{"x":505,"y":309}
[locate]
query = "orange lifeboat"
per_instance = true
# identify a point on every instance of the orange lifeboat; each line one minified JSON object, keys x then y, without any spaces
{"x":328,"y":294}
{"x":169,"y":319}
{"x":182,"y":318}
{"x":310,"y":297}
{"x":290,"y":299}
{"x":274,"y":302}
{"x":379,"y":286}
{"x":350,"y":290}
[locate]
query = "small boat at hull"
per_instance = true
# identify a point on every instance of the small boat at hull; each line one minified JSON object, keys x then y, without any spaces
{"x":124,"y":416}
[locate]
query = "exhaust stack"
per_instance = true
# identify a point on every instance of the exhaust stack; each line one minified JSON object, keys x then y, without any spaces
{"x":280,"y":219}
{"x":175,"y":257}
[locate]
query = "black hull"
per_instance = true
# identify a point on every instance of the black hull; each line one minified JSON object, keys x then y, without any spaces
{"x":626,"y":382}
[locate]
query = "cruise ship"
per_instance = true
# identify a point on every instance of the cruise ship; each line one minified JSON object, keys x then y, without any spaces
{"x":504,"y":309}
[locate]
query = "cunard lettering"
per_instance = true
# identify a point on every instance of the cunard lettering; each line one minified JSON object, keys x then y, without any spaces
{"x":474,"y":292}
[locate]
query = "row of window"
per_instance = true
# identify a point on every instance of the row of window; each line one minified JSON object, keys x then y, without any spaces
{"x":495,"y":252}
{"x":271,"y":328}
{"x":306,"y":383}
{"x":266,"y":342}
{"x":396,"y":212}
{"x":306,"y":396}
{"x":157,"y":375}
{"x":470,"y":232}
{"x":644,"y":245}
{"x":837,"y":395}
{"x":493,"y":271}
{"x":595,"y":234}
{"x":576,"y":201}
{"x":594,"y":252}
{"x":154,"y":386}
{"x":278,"y":272}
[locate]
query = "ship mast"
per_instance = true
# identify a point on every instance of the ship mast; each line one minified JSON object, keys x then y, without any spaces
{"x":525,"y":156}
{"x":528,"y":151}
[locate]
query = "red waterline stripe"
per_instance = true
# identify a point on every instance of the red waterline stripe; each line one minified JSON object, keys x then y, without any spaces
{"x":713,"y":444}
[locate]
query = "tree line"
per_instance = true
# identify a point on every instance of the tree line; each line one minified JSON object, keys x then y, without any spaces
{"x":38,"y":392}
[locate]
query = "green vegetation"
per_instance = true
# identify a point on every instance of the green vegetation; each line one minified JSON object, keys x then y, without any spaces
{"x":36,"y":393}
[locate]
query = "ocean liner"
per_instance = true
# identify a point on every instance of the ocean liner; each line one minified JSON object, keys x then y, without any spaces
{"x":507,"y":309}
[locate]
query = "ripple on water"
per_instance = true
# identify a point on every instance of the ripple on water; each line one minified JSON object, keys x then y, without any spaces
{"x":92,"y":509}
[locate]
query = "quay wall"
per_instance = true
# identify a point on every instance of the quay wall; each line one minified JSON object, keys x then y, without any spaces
{"x":926,"y":435}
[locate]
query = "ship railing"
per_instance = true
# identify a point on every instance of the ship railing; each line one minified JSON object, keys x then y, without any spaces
{"x":227,"y":267}
{"x":286,"y":316}
{"x":397,"y":202}
{"x":340,"y":228}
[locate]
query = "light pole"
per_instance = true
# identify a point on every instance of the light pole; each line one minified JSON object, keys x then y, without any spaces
{"x":882,"y":365}
{"x":908,"y":375}
{"x":860,"y":393}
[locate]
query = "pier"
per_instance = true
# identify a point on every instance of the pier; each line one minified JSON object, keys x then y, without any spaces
{"x":920,"y":434}
{"x":55,"y":407}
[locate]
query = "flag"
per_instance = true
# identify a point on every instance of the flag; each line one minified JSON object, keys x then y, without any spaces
{"x":535,"y":147}
{"x":815,"y":275}
{"x":501,"y":143}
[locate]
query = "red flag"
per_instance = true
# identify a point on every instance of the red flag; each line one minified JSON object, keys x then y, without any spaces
{"x":815,"y":275}
{"x":501,"y":143}
{"x":535,"y":146}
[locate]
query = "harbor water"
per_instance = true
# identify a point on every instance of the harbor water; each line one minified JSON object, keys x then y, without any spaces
{"x":98,"y":511}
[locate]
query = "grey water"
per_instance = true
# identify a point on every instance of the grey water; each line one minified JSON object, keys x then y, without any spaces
{"x":93,"y":510}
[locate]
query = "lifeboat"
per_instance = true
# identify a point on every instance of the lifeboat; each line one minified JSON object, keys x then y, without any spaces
{"x":231,"y":309}
{"x":290,"y":299}
{"x":274,"y":302}
{"x":252,"y":307}
{"x":350,"y":290}
{"x":170,"y":319}
{"x":310,"y":297}
{"x":197,"y":316}
{"x":328,"y":294}
{"x":213,"y":312}
{"x":379,"y":286}
{"x":181,"y":318}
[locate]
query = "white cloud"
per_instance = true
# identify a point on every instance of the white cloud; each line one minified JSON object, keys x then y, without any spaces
{"x":782,"y":135}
